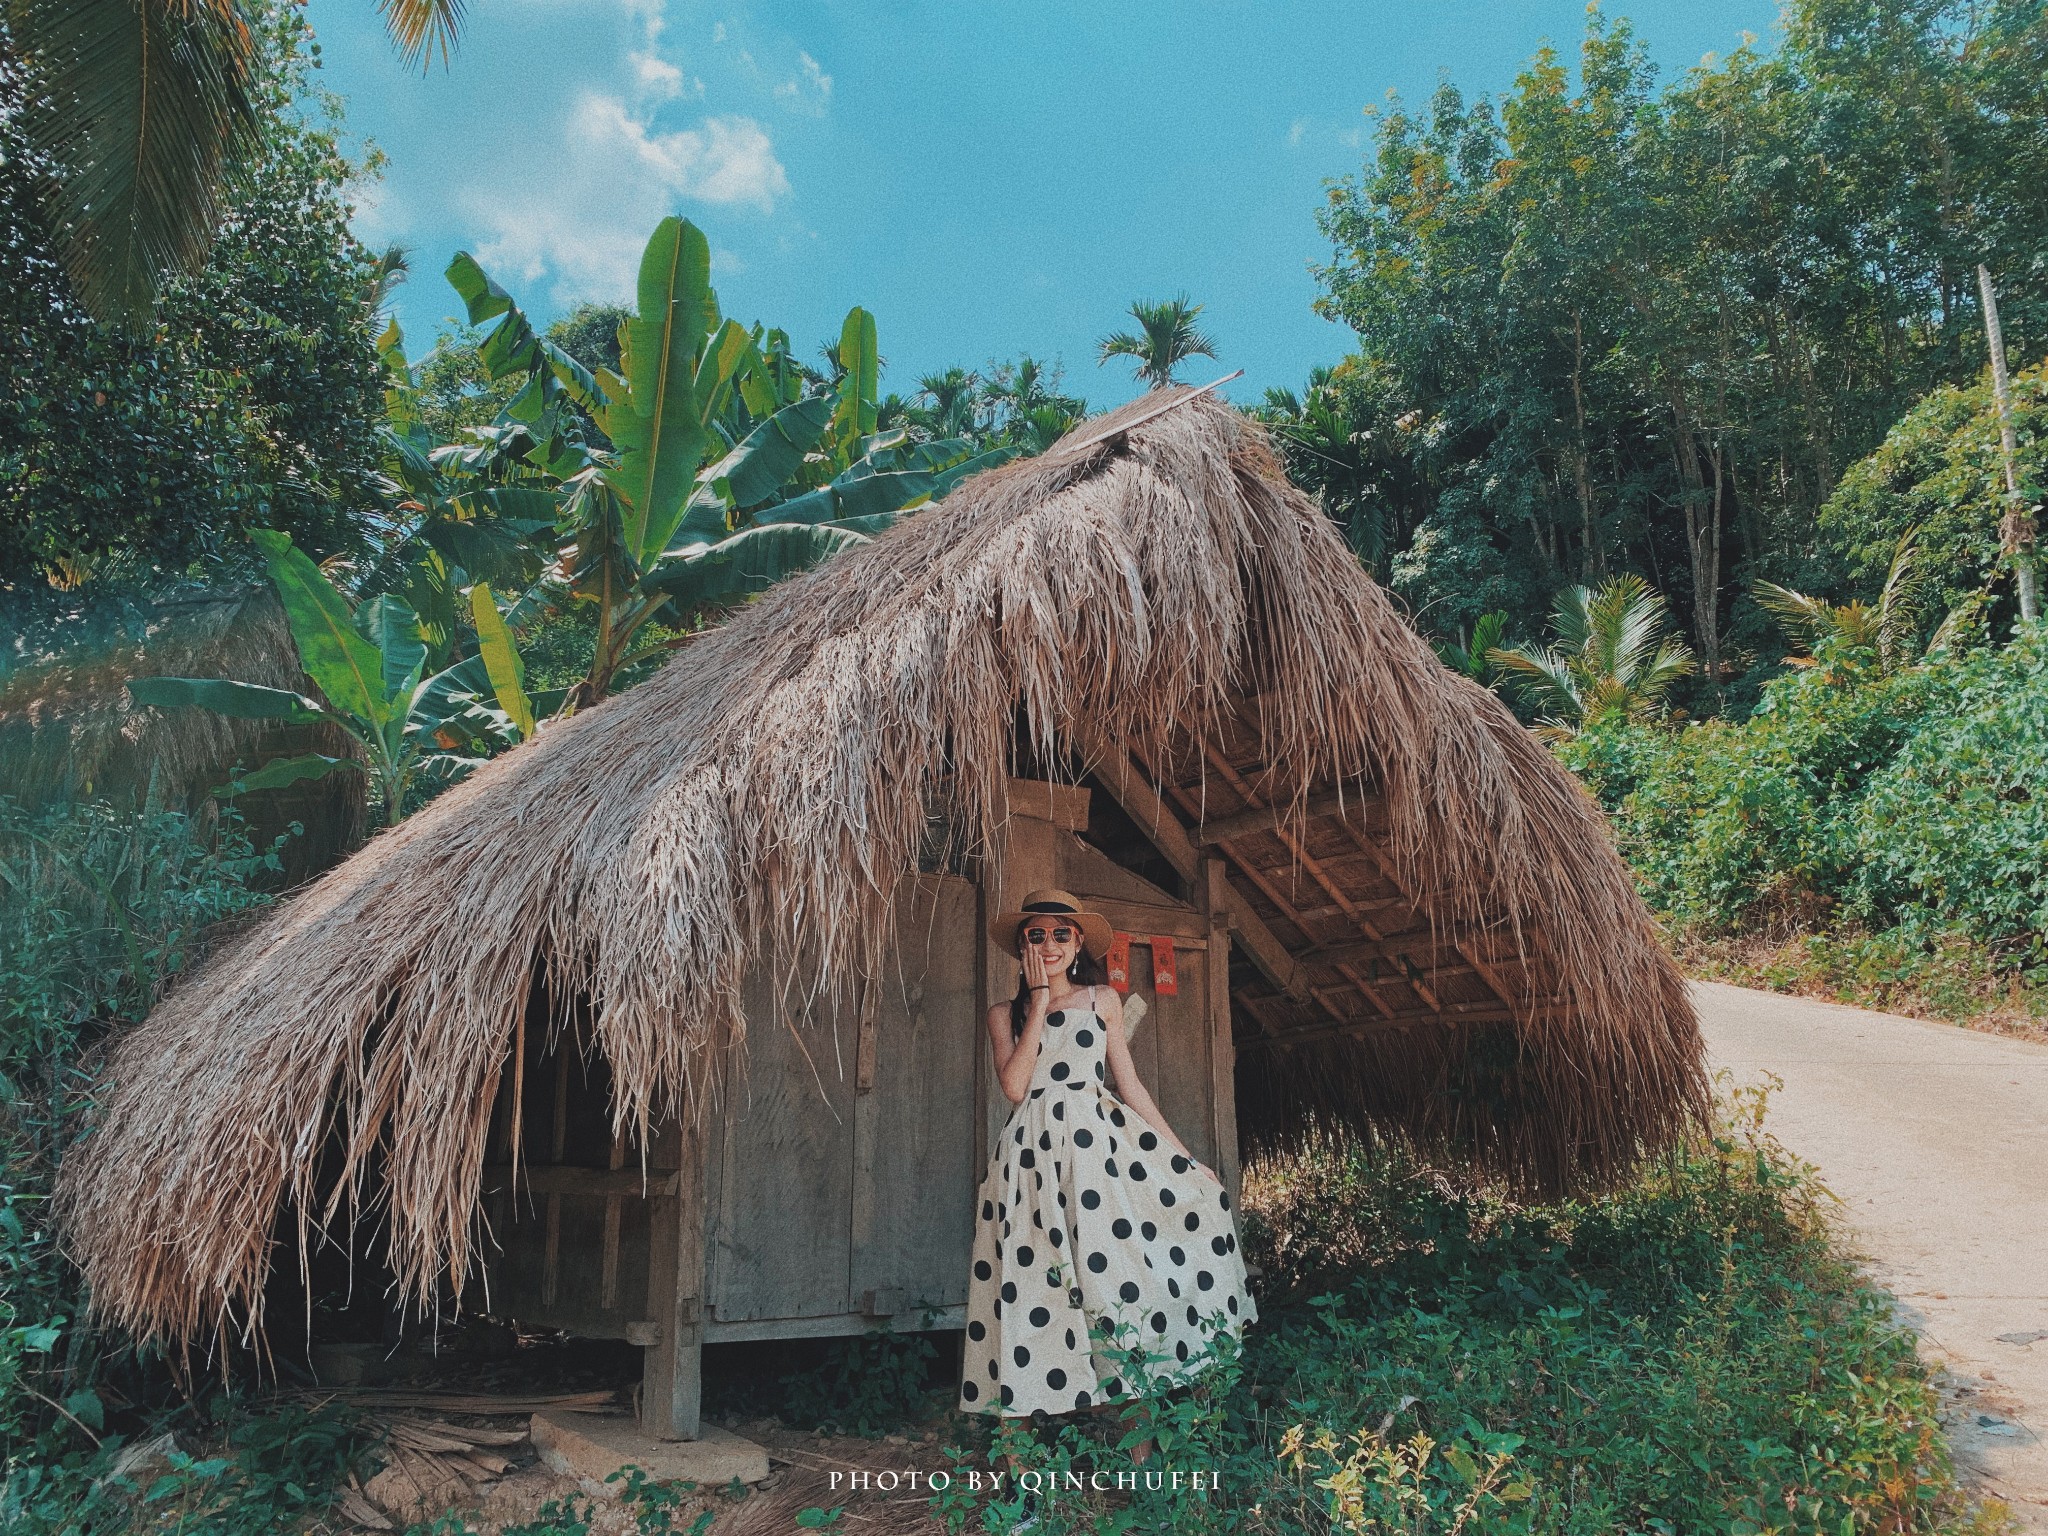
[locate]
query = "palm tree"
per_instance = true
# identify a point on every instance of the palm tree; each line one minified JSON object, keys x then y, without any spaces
{"x":1611,"y":656}
{"x":952,"y":411}
{"x":1168,"y":339}
{"x":140,"y":110}
{"x":1891,"y":630}
{"x":1471,"y":654}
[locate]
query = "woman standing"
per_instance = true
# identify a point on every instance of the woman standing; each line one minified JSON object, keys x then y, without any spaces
{"x":1094,"y":1225}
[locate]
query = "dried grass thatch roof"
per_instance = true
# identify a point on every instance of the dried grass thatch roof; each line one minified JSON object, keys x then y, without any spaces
{"x":1157,"y":600}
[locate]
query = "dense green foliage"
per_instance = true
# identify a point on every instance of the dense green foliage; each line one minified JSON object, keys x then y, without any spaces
{"x":1607,"y":327}
{"x":1684,"y":1354}
{"x":1908,"y":805}
{"x":99,"y":910}
{"x":252,"y":402}
{"x":1938,"y":472}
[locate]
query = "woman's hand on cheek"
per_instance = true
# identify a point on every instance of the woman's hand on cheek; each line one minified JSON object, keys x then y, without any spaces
{"x":1034,"y":974}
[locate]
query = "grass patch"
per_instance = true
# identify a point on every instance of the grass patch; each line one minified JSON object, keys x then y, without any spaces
{"x":1950,"y":977}
{"x":1686,"y":1354}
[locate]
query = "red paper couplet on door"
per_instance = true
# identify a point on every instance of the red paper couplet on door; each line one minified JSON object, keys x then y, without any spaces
{"x":1118,"y":962}
{"x":1165,"y":979}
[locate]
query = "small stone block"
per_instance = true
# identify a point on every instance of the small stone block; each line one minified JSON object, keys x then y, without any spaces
{"x":590,"y":1447}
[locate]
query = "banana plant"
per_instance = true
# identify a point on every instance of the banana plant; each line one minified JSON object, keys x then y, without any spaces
{"x":460,"y":511}
{"x":369,"y":664}
{"x":723,"y":476}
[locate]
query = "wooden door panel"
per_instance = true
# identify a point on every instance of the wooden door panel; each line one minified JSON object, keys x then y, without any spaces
{"x":782,"y":1232}
{"x":914,"y":1173}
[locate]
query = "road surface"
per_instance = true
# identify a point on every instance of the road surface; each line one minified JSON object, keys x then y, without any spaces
{"x":1935,"y":1138}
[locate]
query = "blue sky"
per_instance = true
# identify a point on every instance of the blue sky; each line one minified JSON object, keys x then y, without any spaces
{"x":987,"y":179}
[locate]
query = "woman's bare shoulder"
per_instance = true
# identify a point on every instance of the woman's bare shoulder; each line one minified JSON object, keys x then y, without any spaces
{"x":1109,"y":1003}
{"x":998,"y":1014}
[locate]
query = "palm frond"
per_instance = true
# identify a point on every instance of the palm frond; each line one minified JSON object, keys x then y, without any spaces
{"x":419,"y":28}
{"x":1571,"y":619}
{"x":1546,"y":674}
{"x":140,"y":107}
{"x":1898,"y":607}
{"x":1805,"y":620}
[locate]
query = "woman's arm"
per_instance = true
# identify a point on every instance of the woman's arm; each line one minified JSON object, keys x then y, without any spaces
{"x":1124,"y":1071}
{"x":1016,"y":1060}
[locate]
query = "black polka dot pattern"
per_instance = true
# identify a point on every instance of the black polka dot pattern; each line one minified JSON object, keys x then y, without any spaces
{"x":1116,"y":1215}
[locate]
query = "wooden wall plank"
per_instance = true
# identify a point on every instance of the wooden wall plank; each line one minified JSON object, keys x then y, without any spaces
{"x":914,"y":1167}
{"x":786,"y":1209}
{"x":1182,"y":1070}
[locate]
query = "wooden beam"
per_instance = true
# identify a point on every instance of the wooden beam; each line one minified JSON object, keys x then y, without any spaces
{"x":1400,"y":946}
{"x":1212,"y":895}
{"x":1406,"y":1019}
{"x":1265,"y":818}
{"x":566,"y":1179}
{"x":1132,"y":789}
{"x":1143,"y":919}
{"x":672,"y":1376}
{"x":1478,"y":962}
{"x":1064,"y":805}
{"x":1317,"y":873}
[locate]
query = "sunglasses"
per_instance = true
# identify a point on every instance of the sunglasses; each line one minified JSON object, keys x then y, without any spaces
{"x":1038,"y":935}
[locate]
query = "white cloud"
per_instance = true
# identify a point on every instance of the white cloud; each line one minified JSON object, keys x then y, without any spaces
{"x":586,"y":224}
{"x":656,"y":77}
{"x":810,"y":90}
{"x":1296,"y":129}
{"x":725,"y":160}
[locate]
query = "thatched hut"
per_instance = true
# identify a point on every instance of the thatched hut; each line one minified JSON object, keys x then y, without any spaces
{"x":666,"y":1026}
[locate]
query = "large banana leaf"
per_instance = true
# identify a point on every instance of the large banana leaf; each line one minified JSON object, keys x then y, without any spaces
{"x":502,"y":661}
{"x":751,"y":561}
{"x":145,"y":106}
{"x":345,"y":666}
{"x":860,"y":385}
{"x":769,"y":376}
{"x":282,"y":771}
{"x":670,"y":361}
{"x":769,"y":455}
{"x":513,"y":346}
{"x":457,"y":705}
{"x":393,"y":628}
{"x":243,"y":701}
{"x":862,"y":492}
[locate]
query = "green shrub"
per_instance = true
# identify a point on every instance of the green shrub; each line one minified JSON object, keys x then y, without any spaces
{"x":1896,"y":819}
{"x":100,"y":909}
{"x":1686,"y":1354}
{"x":1952,"y":833}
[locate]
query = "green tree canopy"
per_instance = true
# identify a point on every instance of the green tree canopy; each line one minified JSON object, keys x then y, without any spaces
{"x":252,"y":402}
{"x":1606,"y":326}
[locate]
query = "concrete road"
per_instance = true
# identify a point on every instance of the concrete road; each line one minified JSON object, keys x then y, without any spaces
{"x":1935,"y":1138}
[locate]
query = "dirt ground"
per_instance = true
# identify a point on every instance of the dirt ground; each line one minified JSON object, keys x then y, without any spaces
{"x":805,"y":1471}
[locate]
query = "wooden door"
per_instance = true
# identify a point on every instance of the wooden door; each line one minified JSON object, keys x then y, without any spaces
{"x":845,"y":1180}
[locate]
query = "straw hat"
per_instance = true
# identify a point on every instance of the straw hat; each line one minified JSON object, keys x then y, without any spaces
{"x":1096,"y":934}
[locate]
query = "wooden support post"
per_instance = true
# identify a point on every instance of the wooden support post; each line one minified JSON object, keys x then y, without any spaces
{"x":672,"y":1380}
{"x":1213,"y":894}
{"x":1030,"y":862}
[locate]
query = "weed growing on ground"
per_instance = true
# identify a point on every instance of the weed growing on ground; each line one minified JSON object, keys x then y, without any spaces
{"x":1686,"y":1353}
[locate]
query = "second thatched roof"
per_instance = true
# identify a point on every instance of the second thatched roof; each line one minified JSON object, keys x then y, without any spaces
{"x":1471,"y":967}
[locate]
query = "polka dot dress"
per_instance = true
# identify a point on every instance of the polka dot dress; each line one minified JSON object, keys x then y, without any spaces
{"x":1091,"y":1235}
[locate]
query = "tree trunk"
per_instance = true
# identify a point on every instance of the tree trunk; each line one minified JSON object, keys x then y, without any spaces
{"x":2016,"y":530}
{"x":1592,"y":559}
{"x":1702,"y":538}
